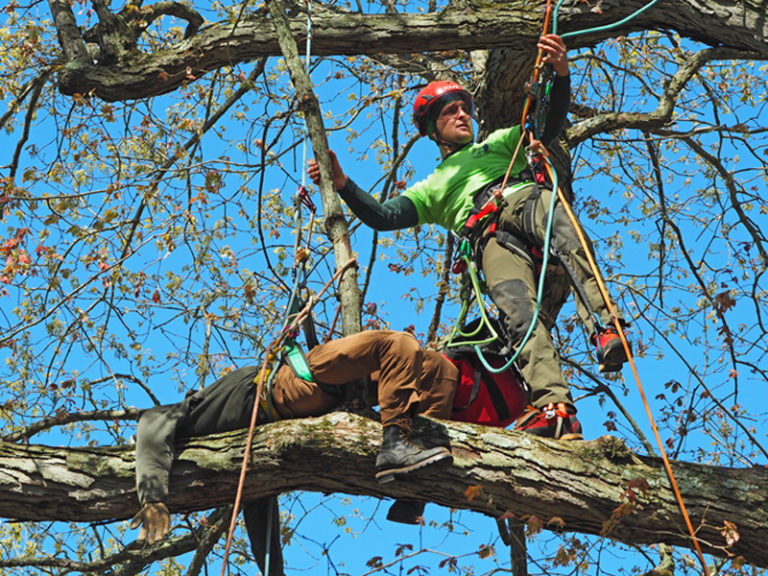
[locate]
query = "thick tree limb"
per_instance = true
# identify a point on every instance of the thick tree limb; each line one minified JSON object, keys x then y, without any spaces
{"x":596,"y":487}
{"x":72,"y":45}
{"x":734,"y":24}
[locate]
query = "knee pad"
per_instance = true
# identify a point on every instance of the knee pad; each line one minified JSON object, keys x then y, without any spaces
{"x":511,"y":297}
{"x":564,"y":236}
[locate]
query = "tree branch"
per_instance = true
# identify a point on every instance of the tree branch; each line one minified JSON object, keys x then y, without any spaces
{"x":336,"y":225}
{"x":598,"y":487}
{"x":70,"y":40}
{"x":739,"y":26}
{"x":141,"y":19}
{"x":647,"y":121}
{"x":64,"y":417}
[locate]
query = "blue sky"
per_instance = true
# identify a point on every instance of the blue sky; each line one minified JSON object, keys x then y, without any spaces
{"x":364,"y":531}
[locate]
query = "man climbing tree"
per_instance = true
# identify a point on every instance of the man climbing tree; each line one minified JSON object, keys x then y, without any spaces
{"x":506,"y":243}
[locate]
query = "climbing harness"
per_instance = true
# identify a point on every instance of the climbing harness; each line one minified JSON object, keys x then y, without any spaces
{"x":466,"y":264}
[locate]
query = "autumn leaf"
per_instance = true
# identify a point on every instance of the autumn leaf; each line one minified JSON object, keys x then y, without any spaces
{"x":730,"y":533}
{"x":402,"y":548}
{"x":374,"y":562}
{"x":556,"y":523}
{"x":535,"y":524}
{"x":486,"y":551}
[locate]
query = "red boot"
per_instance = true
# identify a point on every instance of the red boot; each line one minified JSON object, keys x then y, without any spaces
{"x":610,"y":350}
{"x":553,"y":421}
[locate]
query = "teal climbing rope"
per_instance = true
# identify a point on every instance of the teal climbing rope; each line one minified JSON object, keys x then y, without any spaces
{"x":596,"y":28}
{"x":539,"y":292}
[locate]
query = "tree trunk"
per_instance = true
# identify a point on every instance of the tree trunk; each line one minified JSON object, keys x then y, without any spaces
{"x":737,"y":25}
{"x":595,"y":487}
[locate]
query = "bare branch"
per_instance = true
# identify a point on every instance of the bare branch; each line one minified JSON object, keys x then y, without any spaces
{"x":648,"y":121}
{"x":336,"y":225}
{"x":63,"y":418}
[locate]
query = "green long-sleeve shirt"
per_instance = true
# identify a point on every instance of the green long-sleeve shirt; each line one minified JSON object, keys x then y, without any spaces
{"x":446,"y":196}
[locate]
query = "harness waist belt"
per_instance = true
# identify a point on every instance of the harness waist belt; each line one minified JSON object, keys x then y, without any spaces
{"x":267,"y":412}
{"x":482,"y":195}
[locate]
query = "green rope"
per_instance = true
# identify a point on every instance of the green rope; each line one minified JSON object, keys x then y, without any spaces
{"x":596,"y":28}
{"x":465,"y":255}
{"x":547,"y":240}
{"x":540,"y":290}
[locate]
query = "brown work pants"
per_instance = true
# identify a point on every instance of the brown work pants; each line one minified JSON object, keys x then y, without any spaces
{"x":411,"y":380}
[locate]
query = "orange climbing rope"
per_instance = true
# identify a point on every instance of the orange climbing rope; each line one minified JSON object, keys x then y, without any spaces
{"x":529,"y":99}
{"x":620,"y":331}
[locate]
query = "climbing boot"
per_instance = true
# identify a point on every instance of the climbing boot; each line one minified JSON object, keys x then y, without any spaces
{"x":406,"y":512}
{"x":611,"y":354}
{"x":398,"y":455}
{"x":553,"y":421}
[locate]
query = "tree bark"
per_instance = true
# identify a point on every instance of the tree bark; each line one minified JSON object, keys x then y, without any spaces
{"x":336,"y":226}
{"x":595,"y":487}
{"x":737,"y":25}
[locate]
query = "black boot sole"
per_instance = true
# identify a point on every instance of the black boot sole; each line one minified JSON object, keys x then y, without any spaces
{"x":612,"y":358}
{"x":406,"y":512}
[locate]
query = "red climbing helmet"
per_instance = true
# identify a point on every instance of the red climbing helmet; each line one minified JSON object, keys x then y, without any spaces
{"x":431,"y":95}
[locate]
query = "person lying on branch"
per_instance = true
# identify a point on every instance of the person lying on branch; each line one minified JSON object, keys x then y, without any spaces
{"x":410,"y":381}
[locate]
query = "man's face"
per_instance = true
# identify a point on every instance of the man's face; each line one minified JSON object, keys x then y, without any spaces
{"x":454,"y":123}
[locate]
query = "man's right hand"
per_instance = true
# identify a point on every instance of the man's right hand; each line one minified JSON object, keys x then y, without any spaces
{"x":339,"y":178}
{"x":155,"y":522}
{"x":555,"y":53}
